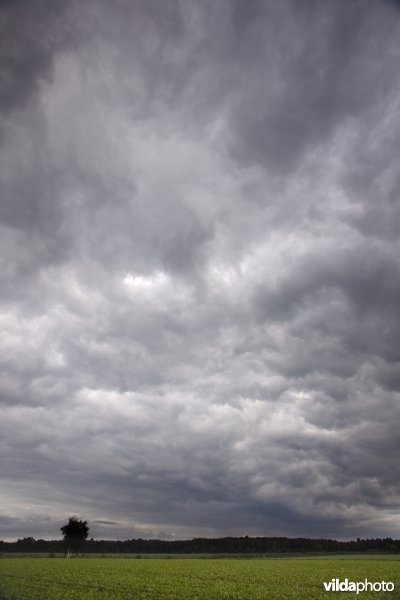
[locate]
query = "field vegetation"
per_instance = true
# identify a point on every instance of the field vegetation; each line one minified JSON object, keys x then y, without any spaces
{"x":183,"y":578}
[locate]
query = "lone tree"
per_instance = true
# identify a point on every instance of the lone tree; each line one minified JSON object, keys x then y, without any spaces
{"x":75,"y":533}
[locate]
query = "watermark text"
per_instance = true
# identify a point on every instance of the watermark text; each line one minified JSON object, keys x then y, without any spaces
{"x":336,"y":585}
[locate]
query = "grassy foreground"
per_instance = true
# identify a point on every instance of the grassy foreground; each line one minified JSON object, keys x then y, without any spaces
{"x":190,"y":578}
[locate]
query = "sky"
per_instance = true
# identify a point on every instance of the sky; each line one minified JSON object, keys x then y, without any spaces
{"x":200,"y":268}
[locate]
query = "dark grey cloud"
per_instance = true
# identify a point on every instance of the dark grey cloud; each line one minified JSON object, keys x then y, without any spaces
{"x":31,"y":36}
{"x":199,"y":268}
{"x":336,"y":61}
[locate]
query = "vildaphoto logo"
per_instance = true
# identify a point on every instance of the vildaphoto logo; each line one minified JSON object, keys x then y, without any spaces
{"x":335,"y":585}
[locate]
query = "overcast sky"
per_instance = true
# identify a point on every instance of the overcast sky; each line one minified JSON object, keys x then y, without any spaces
{"x":200,"y":267}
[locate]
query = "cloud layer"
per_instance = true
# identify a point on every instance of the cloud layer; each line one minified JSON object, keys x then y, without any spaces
{"x":200,"y":275}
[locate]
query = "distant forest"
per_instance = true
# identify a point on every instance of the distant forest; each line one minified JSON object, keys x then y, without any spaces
{"x":229,"y":545}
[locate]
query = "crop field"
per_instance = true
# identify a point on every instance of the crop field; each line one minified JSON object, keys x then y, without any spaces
{"x":190,"y":578}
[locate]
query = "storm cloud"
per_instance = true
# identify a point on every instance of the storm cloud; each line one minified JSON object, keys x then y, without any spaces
{"x":200,"y":267}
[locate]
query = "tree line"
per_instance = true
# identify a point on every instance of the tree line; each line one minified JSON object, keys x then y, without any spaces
{"x":229,"y":545}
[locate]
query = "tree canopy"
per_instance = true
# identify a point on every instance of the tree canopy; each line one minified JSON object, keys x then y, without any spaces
{"x":75,"y":533}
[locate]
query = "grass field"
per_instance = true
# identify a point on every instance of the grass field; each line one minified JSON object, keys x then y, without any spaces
{"x":190,"y":578}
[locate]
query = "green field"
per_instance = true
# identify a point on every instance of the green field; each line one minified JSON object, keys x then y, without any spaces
{"x":190,"y":578}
